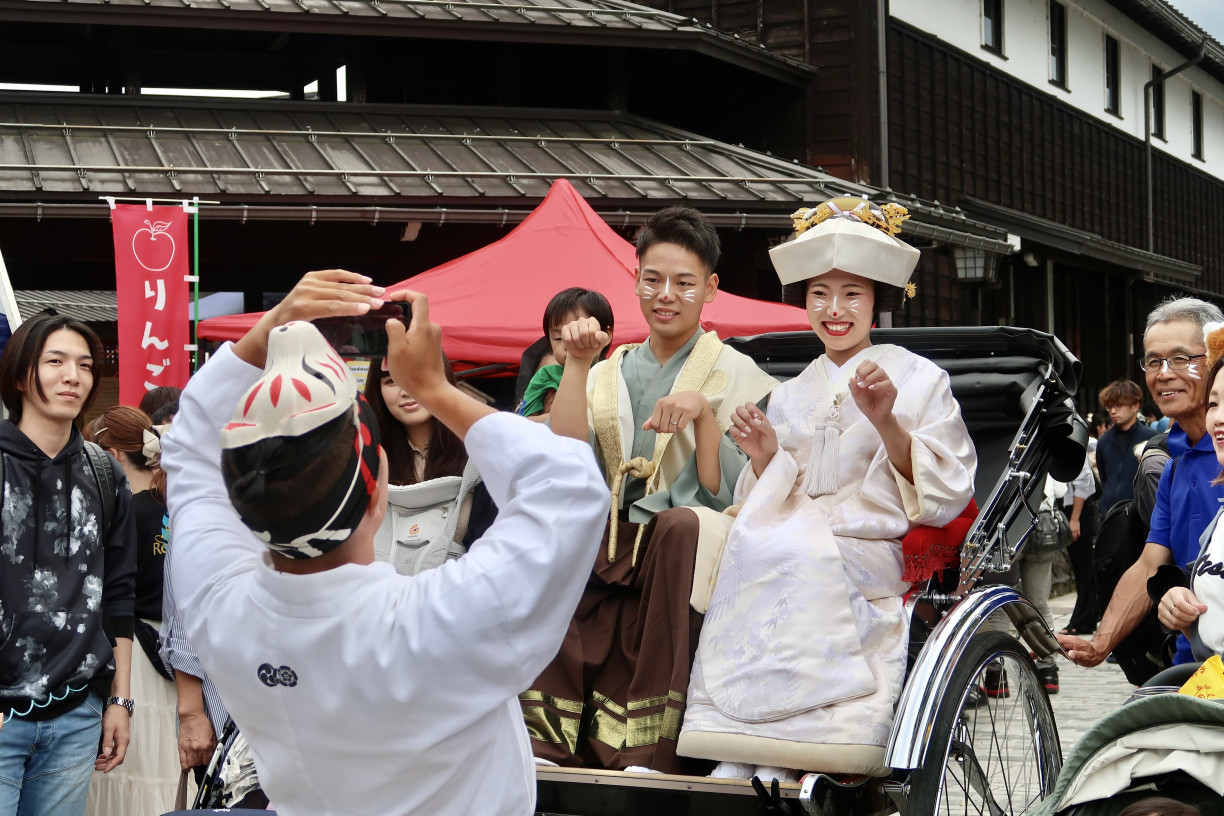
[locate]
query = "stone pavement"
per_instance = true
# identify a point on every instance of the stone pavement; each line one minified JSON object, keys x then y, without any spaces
{"x":1085,"y":695}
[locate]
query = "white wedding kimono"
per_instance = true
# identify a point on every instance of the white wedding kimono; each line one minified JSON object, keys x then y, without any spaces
{"x":803,"y":650}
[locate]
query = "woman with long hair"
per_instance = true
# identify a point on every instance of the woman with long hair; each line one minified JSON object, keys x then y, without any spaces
{"x":148,"y":780}
{"x":437,"y":504}
{"x":419,"y":448}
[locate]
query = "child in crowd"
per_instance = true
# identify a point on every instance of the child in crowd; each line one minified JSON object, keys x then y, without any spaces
{"x":565,"y":307}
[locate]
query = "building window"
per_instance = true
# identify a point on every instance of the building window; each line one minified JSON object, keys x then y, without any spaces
{"x":1113,"y":77}
{"x":1158,"y":128}
{"x":1196,"y":118}
{"x":1058,"y":43}
{"x":992,"y":26}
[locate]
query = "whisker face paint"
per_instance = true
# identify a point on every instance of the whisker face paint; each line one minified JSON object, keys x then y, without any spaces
{"x":690,"y":296}
{"x":1192,"y":370}
{"x":818,"y":305}
{"x":649,"y":291}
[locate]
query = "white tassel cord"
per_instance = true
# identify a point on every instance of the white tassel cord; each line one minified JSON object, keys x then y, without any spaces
{"x":823,"y":475}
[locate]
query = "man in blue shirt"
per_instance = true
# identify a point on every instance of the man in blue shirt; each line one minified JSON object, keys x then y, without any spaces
{"x":1174,"y":363}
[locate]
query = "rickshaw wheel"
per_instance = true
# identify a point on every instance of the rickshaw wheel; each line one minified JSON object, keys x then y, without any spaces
{"x":994,"y":746}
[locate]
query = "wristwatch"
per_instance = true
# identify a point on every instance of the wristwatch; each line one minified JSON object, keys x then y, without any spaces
{"x":126,"y":702}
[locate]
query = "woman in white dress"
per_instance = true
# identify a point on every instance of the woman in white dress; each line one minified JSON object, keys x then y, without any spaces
{"x":803,"y":649}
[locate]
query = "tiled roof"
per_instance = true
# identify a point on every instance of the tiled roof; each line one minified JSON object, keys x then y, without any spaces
{"x":1163,"y":19}
{"x":68,"y":144}
{"x":90,"y":306}
{"x":68,"y":150}
{"x":491,"y":19}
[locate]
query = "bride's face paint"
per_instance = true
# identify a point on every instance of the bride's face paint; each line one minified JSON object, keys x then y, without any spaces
{"x":840,"y":308}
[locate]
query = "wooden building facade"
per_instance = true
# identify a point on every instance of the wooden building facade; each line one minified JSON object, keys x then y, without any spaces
{"x":844,"y":96}
{"x":961,"y":133}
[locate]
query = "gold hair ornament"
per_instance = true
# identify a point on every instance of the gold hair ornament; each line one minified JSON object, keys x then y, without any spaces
{"x":886,"y":218}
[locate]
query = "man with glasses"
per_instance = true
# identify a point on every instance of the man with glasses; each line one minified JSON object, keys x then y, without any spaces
{"x":1173,"y":364}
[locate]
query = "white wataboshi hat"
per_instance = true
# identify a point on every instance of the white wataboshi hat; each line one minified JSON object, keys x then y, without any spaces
{"x":850,"y":234}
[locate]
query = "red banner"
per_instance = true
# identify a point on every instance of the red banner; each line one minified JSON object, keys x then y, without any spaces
{"x":151,"y":265}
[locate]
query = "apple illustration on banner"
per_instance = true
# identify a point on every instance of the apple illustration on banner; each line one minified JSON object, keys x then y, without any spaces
{"x":153,"y":247}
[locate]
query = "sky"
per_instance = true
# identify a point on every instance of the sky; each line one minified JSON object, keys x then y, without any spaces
{"x":1208,"y":14}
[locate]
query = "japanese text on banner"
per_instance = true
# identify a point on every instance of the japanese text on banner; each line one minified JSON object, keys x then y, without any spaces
{"x":151,"y":265}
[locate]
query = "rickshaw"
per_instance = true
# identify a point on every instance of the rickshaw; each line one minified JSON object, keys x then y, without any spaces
{"x":953,"y":747}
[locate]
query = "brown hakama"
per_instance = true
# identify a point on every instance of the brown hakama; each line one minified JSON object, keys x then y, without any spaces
{"x":614,"y":696}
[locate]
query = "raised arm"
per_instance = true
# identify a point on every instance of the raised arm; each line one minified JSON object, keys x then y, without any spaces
{"x":510,"y":599}
{"x":208,"y":538}
{"x":414,"y":355}
{"x":584,"y":339}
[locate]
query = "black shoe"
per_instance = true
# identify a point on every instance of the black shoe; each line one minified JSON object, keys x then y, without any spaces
{"x":1111,"y":659}
{"x":1049,"y":678}
{"x":994,"y":682}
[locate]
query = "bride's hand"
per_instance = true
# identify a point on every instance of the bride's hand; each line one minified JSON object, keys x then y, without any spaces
{"x":751,"y":430}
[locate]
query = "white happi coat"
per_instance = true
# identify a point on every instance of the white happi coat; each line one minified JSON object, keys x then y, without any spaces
{"x":803,"y":650}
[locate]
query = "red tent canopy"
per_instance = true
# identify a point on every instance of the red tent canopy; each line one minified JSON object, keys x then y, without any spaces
{"x":490,"y":302}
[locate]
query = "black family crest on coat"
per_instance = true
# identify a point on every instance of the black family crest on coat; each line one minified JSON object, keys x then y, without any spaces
{"x":272,"y":677}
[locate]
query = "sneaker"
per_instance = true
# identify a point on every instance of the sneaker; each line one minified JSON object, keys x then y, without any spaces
{"x":994,"y":682}
{"x":1049,"y":678}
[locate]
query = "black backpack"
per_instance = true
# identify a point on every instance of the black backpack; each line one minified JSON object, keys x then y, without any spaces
{"x":1120,"y":540}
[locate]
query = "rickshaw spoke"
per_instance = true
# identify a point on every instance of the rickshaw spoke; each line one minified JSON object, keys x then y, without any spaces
{"x":975,"y":778}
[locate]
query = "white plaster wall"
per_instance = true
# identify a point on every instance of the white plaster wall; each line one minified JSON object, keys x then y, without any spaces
{"x":1026,"y":56}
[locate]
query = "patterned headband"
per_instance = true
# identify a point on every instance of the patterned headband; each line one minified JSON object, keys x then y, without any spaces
{"x":305,"y":386}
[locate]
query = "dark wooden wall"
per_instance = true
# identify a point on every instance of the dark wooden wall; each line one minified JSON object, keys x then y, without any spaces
{"x":837,"y":36}
{"x":959,"y":128}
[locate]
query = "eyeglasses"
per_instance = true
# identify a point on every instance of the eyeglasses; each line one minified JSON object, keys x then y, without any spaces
{"x":1178,"y":362}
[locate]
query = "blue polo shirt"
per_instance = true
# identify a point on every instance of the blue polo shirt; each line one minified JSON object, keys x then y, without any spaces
{"x":1183,"y":510}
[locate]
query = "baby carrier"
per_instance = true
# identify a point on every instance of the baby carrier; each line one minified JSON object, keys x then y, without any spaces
{"x":418,"y":532}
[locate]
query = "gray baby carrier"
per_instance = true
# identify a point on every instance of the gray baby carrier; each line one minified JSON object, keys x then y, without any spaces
{"x":418,"y":532}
